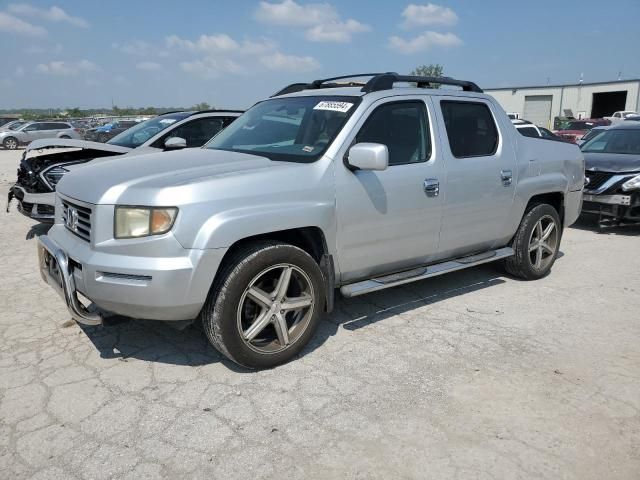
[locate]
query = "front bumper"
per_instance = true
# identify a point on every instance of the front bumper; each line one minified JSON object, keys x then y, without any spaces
{"x":55,"y":271}
{"x":617,"y":208}
{"x":168,"y":288}
{"x":38,"y":206}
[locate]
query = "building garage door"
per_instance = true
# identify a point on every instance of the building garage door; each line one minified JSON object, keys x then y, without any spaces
{"x":537,"y":109}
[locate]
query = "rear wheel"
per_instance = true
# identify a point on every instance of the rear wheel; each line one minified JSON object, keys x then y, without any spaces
{"x":102,"y":138}
{"x":10,"y":143}
{"x":536,"y":243}
{"x":265,"y":305}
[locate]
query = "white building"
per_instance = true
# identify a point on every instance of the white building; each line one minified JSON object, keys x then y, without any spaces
{"x":581,"y":100}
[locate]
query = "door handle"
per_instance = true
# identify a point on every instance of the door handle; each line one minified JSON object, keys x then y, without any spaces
{"x":507,"y":177}
{"x":432,"y":187}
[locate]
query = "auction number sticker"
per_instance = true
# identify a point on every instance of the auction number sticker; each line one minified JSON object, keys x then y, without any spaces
{"x":334,"y":106}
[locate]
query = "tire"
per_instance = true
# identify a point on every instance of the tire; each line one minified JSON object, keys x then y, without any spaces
{"x":524,"y":263}
{"x":10,"y":143}
{"x":65,"y":136}
{"x":251,"y":333}
{"x":102,"y":138}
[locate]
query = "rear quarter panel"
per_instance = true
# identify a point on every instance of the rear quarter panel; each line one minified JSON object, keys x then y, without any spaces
{"x":546,"y":166}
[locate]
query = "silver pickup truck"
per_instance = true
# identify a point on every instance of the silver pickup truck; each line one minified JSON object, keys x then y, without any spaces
{"x":335,"y":184}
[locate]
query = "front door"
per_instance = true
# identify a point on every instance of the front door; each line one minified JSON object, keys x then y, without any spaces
{"x":480,"y":185}
{"x":386,"y":220}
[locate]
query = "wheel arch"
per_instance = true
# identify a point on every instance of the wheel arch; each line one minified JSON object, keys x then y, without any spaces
{"x":310,"y":239}
{"x":555,"y":199}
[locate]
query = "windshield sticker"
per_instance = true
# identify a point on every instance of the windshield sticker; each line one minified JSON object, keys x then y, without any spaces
{"x":334,"y":106}
{"x":168,"y":121}
{"x":307,"y":149}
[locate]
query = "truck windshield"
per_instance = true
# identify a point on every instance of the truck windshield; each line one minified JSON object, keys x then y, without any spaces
{"x":140,"y":133}
{"x":292,"y":129}
{"x":615,"y":141}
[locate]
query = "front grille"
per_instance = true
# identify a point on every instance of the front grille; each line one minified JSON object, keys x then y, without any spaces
{"x":77,"y":219}
{"x":53,"y":175}
{"x":597,"y":179}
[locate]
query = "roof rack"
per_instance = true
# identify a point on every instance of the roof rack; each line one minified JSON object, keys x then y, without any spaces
{"x":385,"y":82}
{"x":328,"y":83}
{"x":378,"y":82}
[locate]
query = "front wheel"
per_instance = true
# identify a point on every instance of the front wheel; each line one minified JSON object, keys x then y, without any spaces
{"x":536,"y":243}
{"x":265,"y":305}
{"x":10,"y":143}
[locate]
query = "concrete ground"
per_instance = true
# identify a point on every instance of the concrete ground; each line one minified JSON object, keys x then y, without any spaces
{"x":471,"y":376}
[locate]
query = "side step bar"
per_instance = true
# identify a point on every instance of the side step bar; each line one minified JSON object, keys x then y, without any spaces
{"x":420,"y":273}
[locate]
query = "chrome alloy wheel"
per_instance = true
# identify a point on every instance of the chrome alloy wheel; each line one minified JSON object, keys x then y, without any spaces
{"x":11,"y":143}
{"x":275,"y":308}
{"x":543,"y":242}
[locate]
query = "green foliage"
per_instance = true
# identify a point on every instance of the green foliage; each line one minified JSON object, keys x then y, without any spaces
{"x":77,"y":112}
{"x":431,"y":70}
{"x":202,"y":106}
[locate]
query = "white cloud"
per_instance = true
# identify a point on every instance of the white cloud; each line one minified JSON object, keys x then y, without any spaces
{"x":289,"y":13}
{"x":37,"y":50}
{"x":428,"y":15}
{"x":209,"y":67}
{"x":11,"y":24}
{"x":424,"y":42}
{"x":137,"y":47}
{"x":220,"y":43}
{"x":321,"y":20}
{"x":53,"y":14}
{"x":67,"y":68}
{"x":289,"y":63}
{"x":149,"y":66}
{"x":339,"y":32}
{"x":219,"y":54}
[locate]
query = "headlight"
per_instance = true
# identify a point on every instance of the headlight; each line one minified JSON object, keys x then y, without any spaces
{"x":133,"y":222}
{"x":632,"y":184}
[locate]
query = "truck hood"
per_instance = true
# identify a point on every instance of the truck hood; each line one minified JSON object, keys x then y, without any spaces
{"x":166,"y":178}
{"x":612,"y":162}
{"x":47,"y":143}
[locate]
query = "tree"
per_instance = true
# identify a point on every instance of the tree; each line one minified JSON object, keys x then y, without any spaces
{"x":431,"y":70}
{"x":202,"y":106}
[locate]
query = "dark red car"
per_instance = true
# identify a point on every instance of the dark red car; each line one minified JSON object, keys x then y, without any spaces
{"x":575,"y":129}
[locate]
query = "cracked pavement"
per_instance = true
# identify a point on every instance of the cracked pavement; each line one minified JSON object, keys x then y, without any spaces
{"x":473,"y":375}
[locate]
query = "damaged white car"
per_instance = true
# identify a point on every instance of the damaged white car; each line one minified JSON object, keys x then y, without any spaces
{"x":46,"y":161}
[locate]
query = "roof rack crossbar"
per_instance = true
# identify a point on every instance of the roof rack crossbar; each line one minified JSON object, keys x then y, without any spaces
{"x":385,"y":81}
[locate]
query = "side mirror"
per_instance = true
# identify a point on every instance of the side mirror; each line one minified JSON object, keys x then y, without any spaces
{"x":368,"y":156}
{"x":175,"y":143}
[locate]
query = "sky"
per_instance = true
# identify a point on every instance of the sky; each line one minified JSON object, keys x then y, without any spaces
{"x":230,"y":54}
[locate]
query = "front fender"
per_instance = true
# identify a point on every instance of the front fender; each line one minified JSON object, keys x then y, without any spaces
{"x":225,"y":228}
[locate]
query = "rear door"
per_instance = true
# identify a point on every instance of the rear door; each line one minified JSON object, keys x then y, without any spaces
{"x":480,"y":183}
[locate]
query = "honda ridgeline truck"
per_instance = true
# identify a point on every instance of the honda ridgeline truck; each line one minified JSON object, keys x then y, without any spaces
{"x":335,"y":184}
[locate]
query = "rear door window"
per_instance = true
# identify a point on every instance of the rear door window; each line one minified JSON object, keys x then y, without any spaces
{"x":196,"y":132}
{"x":470,"y":127}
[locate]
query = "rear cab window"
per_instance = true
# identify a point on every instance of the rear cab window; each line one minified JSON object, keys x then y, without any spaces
{"x":471,"y":128}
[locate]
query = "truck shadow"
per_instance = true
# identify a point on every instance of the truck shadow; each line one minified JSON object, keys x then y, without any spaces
{"x":158,"y":342}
